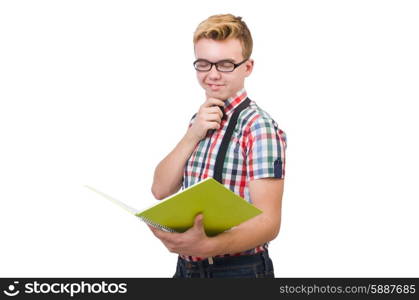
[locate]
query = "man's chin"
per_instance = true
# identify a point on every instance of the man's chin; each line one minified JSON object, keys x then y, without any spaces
{"x":216,"y":94}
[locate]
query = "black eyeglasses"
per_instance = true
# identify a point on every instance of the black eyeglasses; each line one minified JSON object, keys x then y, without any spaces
{"x":203,"y":65}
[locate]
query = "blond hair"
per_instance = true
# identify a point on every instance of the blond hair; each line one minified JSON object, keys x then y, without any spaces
{"x":223,"y":27}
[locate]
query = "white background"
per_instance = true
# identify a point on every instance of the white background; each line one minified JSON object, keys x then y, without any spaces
{"x":98,"y":92}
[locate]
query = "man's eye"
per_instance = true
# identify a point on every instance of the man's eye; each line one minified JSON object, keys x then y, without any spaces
{"x":225,"y":64}
{"x":202,"y":64}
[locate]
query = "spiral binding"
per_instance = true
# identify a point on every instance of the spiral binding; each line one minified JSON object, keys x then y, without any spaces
{"x":162,"y":227}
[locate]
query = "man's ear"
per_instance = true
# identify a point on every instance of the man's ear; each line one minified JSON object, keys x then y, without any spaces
{"x":249,"y":66}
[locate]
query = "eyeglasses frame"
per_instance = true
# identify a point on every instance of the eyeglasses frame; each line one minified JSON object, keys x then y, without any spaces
{"x":217,"y":62}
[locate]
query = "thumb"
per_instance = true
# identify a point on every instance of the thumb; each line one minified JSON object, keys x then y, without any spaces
{"x":199,"y":219}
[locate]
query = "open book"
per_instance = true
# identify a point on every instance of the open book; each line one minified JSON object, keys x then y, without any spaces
{"x":222,"y":208}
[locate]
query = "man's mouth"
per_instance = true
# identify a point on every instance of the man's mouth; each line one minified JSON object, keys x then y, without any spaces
{"x":215,"y":87}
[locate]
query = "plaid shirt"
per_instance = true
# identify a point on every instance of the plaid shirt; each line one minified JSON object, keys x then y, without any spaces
{"x":256,"y":150}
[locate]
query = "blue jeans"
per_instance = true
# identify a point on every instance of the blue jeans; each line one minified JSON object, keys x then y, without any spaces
{"x":246,"y":266}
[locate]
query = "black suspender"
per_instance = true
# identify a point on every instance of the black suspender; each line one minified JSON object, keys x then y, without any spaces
{"x":219,"y":161}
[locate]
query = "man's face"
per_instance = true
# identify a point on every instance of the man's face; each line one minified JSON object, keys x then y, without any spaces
{"x":222,"y":85}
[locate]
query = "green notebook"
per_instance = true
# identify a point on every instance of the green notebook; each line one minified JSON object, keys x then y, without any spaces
{"x":222,"y":209}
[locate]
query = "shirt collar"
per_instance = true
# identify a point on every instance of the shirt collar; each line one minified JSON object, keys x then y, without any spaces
{"x":231,"y":103}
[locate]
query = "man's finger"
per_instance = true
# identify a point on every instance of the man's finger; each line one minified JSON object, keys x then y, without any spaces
{"x":213,"y":101}
{"x":162,"y":235}
{"x":153,"y":230}
{"x":199,"y":219}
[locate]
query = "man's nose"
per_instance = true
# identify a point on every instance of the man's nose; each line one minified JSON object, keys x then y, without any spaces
{"x":214,"y":73}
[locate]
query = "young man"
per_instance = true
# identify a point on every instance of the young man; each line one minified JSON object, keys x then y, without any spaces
{"x":253,"y":166}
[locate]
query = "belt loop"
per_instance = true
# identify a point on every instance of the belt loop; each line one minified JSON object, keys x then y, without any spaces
{"x":201,"y":268}
{"x":265,"y":258}
{"x":210,"y":265}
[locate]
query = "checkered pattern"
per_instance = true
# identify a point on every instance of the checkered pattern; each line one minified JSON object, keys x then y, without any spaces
{"x":256,"y":150}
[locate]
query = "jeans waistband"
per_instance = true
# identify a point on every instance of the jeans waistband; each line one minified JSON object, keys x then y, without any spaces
{"x":227,"y":261}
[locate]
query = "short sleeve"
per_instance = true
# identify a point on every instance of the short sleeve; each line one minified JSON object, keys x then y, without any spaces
{"x":265,"y":150}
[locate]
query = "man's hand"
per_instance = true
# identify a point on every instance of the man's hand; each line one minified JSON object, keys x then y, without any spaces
{"x":193,"y":242}
{"x":208,"y":117}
